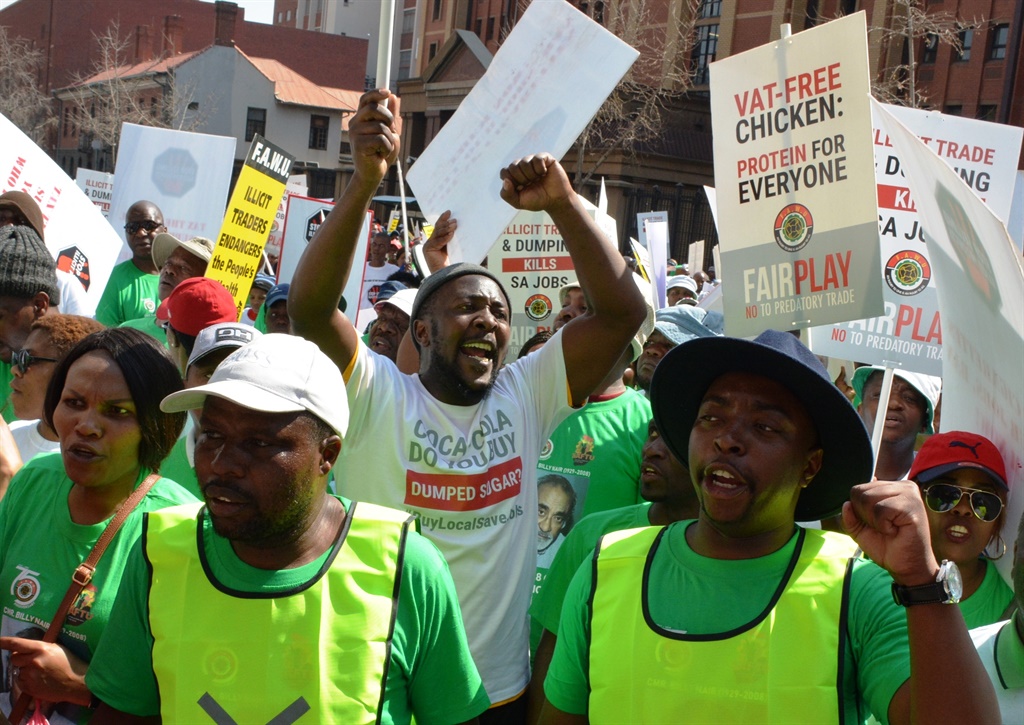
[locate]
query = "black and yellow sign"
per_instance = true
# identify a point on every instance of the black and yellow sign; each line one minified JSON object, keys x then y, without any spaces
{"x":249,"y":218}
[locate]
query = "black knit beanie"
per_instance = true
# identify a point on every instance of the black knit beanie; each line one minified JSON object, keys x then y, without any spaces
{"x":26,"y":266}
{"x":443,"y":276}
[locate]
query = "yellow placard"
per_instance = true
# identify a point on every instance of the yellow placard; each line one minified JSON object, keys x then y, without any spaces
{"x":249,"y":218}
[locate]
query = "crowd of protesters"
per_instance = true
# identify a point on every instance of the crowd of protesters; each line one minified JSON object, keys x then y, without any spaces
{"x":286,"y":518}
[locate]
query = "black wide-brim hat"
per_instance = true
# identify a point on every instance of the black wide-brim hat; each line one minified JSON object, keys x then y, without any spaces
{"x":687,"y":371}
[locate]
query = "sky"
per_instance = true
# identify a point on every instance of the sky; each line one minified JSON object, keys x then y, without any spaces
{"x":256,"y":11}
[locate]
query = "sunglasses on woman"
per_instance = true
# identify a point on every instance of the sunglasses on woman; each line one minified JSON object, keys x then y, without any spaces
{"x":943,"y":497}
{"x":23,"y":360}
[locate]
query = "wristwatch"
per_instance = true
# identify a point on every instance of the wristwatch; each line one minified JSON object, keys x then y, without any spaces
{"x":946,"y":589}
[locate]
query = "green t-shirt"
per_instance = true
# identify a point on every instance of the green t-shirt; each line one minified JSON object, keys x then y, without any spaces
{"x":129,"y":295}
{"x":5,"y":392}
{"x":988,"y":604}
{"x":150,"y":326}
{"x":177,"y":467}
{"x":546,"y":608}
{"x":40,"y":547}
{"x":431,"y":673}
{"x":598,"y":449}
{"x":700,"y":595}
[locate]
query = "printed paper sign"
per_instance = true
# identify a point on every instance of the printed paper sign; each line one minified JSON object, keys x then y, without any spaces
{"x":546,"y":82}
{"x":250,"y":213}
{"x":77,"y":235}
{"x":98,"y":186}
{"x":187,"y":175}
{"x":982,"y":313}
{"x":533,"y":263}
{"x":795,"y":181}
{"x":909,"y":334}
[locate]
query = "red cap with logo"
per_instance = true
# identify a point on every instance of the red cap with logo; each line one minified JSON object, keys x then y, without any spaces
{"x":199,"y":302}
{"x":946,"y":452}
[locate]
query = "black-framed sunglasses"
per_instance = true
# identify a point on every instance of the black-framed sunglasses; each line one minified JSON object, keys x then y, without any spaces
{"x":23,"y":360}
{"x":943,"y":497}
{"x":148,"y":225}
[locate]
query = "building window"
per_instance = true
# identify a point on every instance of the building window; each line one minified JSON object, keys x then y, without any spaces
{"x":255,"y":123}
{"x":431,"y":52}
{"x":703,"y":54}
{"x":988,"y":112}
{"x":288,"y":16}
{"x":954,"y":110}
{"x":490,"y":29}
{"x":409,"y":20}
{"x":1000,"y":37}
{"x":404,"y":64}
{"x":710,"y":9}
{"x":480,"y":28}
{"x":318,"y":126}
{"x":931,"y":48}
{"x":966,"y":40}
{"x":437,"y":10}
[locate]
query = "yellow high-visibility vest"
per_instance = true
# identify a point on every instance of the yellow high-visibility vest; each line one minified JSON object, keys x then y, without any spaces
{"x":782,"y":667}
{"x":320,"y":651}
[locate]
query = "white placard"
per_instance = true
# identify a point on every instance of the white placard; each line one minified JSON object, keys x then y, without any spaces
{"x":652,"y":228}
{"x":982,"y":314}
{"x":909,"y":334}
{"x":795,"y":181}
{"x":187,"y":175}
{"x":76,"y":233}
{"x":546,"y":82}
{"x":695,"y":257}
{"x":98,"y":186}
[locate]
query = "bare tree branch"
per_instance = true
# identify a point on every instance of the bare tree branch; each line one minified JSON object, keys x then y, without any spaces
{"x":21,"y":101}
{"x":120,"y":91}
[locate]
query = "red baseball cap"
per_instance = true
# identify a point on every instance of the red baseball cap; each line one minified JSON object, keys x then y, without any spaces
{"x":945,"y":452}
{"x":199,"y":302}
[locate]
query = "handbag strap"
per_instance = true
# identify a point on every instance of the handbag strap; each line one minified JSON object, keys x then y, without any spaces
{"x":83,"y":575}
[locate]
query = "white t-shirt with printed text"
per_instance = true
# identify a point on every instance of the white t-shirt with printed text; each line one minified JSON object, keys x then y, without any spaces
{"x":470,"y":474}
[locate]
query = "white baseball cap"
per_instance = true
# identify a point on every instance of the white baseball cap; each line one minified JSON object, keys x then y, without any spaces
{"x":275,"y":373}
{"x":401,"y":300}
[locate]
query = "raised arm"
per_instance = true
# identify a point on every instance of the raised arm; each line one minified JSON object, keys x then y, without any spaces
{"x":592,"y":342}
{"x":889,"y":523}
{"x":328,"y":260}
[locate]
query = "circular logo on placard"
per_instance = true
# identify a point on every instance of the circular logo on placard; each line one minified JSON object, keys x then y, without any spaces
{"x":538,"y":307}
{"x":546,"y":451}
{"x":793,"y":227}
{"x":907,"y":273}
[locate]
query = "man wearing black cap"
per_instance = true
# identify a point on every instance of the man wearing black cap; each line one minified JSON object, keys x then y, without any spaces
{"x":458,"y":442}
{"x":741,"y":616}
{"x":28,"y":291}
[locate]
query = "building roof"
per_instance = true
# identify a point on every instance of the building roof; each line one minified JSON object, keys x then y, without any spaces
{"x":145,"y":68}
{"x":292,"y":88}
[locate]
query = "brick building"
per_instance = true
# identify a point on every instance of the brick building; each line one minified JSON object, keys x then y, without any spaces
{"x":64,"y":30}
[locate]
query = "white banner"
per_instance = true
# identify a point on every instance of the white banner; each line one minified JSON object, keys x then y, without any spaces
{"x":187,"y":175}
{"x":982,"y":312}
{"x":76,"y":233}
{"x":546,"y":82}
{"x":795,"y":181}
{"x":909,"y":334}
{"x":98,"y":186}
